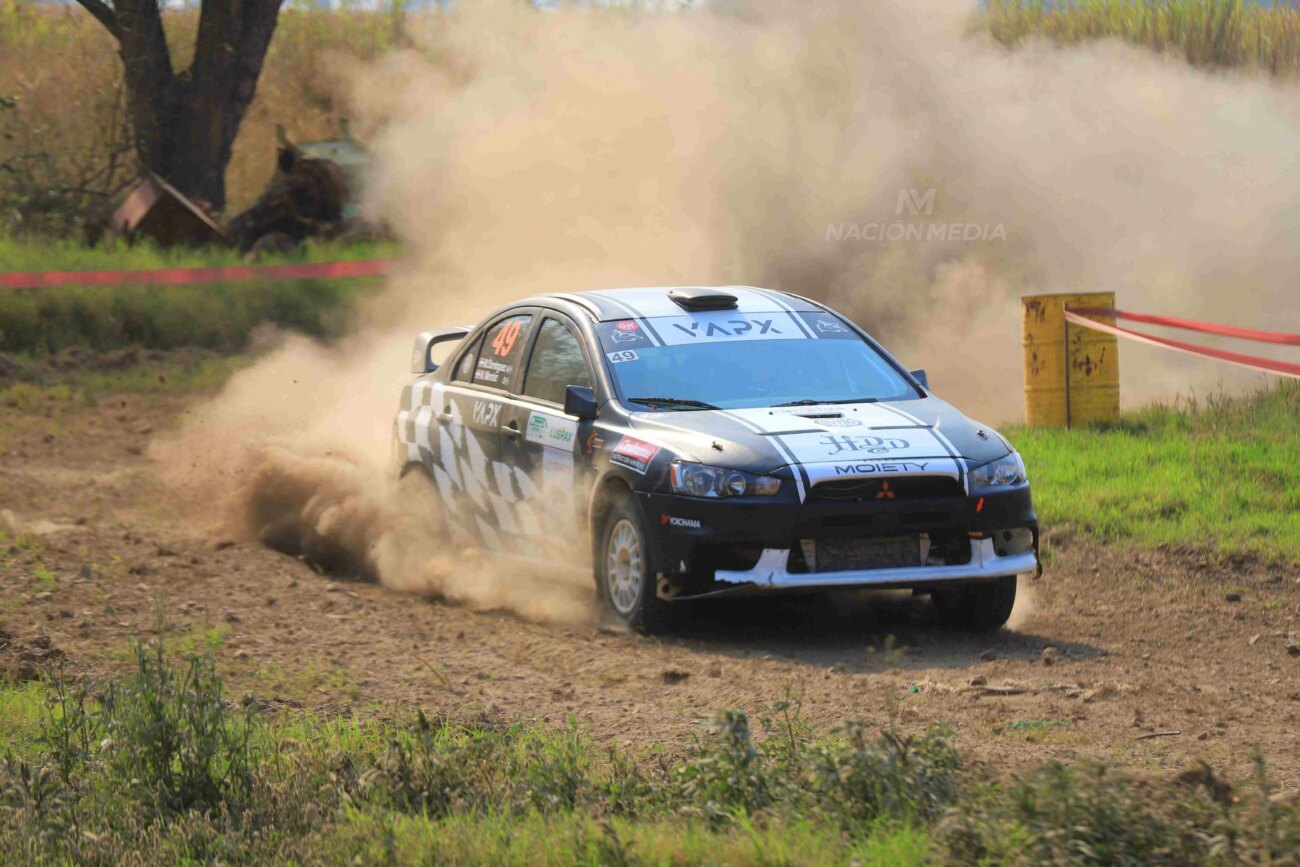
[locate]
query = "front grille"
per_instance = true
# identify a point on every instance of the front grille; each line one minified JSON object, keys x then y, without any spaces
{"x":901,"y":487}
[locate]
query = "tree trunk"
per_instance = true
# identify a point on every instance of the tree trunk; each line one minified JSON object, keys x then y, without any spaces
{"x":185,"y":123}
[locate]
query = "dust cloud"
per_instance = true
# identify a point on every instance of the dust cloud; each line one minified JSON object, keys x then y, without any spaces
{"x":874,"y":155}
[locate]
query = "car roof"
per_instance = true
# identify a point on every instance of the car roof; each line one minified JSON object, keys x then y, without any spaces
{"x":652,"y":301}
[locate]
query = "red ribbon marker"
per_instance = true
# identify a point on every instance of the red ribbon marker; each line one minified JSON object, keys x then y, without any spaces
{"x":189,"y":276}
{"x":1254,"y":362}
{"x":1194,"y":325}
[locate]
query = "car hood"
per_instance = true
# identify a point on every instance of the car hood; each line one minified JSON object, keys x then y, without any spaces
{"x":925,"y":436}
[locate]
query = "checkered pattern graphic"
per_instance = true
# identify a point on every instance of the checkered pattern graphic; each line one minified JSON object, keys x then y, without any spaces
{"x":482,"y":497}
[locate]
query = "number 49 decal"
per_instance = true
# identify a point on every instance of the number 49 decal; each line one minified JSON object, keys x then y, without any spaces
{"x":505,"y":339}
{"x":623,"y":355}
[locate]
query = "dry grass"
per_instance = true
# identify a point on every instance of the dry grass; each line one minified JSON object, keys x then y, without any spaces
{"x":63,"y":145}
{"x":1219,"y":34}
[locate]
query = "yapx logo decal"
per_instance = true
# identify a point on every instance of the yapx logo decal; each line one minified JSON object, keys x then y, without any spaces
{"x":486,"y":413}
{"x":863,"y":443}
{"x":731,"y":328}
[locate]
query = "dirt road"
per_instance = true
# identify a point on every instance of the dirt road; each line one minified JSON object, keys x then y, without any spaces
{"x":1159,"y":656}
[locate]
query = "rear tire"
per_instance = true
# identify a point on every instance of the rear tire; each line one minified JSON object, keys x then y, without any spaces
{"x":627,"y":573}
{"x":976,"y":607}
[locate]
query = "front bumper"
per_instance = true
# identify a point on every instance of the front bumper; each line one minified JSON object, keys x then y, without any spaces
{"x":770,"y":573}
{"x":711,"y":547}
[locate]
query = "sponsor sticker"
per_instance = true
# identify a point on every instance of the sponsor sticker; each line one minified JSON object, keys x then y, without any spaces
{"x":621,"y":356}
{"x":634,"y":454}
{"x":626,"y":325}
{"x":863,"y":443}
{"x":838,"y":422}
{"x":893,"y":468}
{"x":594,"y":441}
{"x":486,"y":413}
{"x":720,"y":327}
{"x":551,"y":431}
{"x":674,"y":521}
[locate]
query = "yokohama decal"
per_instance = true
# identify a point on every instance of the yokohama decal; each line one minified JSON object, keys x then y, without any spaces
{"x":634,"y":454}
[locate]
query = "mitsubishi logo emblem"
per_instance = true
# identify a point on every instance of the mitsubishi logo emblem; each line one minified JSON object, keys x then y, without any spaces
{"x":884,"y":493}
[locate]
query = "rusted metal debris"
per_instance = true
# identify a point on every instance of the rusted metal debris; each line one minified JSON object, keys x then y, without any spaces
{"x":313,"y":194}
{"x":156,"y":210}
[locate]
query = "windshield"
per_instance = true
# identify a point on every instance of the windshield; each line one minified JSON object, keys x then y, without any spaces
{"x":726,"y":360}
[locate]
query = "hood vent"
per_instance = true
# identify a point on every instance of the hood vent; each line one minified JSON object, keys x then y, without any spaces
{"x":700,"y":298}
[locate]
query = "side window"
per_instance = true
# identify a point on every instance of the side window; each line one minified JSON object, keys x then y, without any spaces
{"x":556,"y":362}
{"x":465,"y":369}
{"x":502,"y":345}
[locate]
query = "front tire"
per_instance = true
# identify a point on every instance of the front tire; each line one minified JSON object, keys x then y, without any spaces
{"x":627,"y":573}
{"x":976,"y":607}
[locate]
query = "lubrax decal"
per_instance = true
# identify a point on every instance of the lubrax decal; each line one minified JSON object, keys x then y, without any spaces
{"x":486,"y":413}
{"x":673,"y":521}
{"x":863,"y":443}
{"x":737,"y":328}
{"x":868,"y":469}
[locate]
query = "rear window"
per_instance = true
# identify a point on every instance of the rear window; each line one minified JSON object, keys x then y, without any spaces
{"x":465,"y":368}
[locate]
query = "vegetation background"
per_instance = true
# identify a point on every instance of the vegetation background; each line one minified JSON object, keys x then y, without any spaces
{"x":64,"y":149}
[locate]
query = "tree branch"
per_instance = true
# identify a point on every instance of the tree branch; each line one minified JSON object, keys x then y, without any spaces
{"x":103,"y":13}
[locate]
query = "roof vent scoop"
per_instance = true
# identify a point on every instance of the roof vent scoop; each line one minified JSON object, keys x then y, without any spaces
{"x":702,"y":299}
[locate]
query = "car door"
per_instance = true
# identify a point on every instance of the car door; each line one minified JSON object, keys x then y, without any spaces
{"x":540,"y":442}
{"x":468,"y":409}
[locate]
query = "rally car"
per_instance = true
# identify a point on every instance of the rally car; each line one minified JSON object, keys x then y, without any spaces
{"x":697,"y":442}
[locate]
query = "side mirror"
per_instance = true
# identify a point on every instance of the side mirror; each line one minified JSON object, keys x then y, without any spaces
{"x":580,"y":401}
{"x":919,"y":376}
{"x":421,"y":362}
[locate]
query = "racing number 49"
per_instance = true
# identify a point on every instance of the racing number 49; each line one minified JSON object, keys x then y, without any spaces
{"x":505,"y":339}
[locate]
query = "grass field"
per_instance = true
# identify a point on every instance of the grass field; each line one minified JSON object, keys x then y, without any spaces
{"x":1209,"y":33}
{"x":217,"y":316}
{"x":1218,"y":475}
{"x":159,"y":767}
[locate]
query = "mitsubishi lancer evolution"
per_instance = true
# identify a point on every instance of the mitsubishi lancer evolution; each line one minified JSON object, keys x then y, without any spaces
{"x":697,"y":442}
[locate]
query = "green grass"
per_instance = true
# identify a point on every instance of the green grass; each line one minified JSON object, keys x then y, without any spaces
{"x":159,"y":767}
{"x":1206,"y":33}
{"x":1218,"y":475}
{"x":219,"y":316}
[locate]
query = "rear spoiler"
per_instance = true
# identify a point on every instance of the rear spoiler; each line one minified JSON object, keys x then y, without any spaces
{"x":421,"y":362}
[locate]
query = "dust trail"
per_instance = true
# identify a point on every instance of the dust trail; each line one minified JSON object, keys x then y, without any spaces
{"x":771,"y":144}
{"x":1026,"y":603}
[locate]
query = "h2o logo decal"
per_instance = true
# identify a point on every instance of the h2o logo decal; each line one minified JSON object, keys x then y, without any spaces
{"x":870,"y":444}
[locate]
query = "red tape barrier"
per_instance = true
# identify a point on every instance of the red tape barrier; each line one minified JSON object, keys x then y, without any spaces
{"x":1194,"y":325}
{"x":1267,"y":365}
{"x":188,"y":276}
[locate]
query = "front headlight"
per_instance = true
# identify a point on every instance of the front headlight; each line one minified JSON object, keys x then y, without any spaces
{"x":699,"y":480}
{"x":1009,"y":470}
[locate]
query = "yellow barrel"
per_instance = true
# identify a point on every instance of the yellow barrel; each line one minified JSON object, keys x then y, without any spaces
{"x":1078,"y":385}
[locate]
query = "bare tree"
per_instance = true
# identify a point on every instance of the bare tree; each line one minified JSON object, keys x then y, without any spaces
{"x":185,"y":122}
